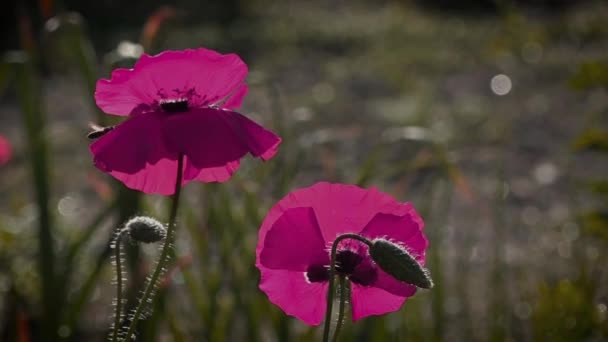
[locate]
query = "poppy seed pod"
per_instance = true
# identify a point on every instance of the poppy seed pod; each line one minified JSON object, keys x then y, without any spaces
{"x":396,"y":261}
{"x":145,"y":229}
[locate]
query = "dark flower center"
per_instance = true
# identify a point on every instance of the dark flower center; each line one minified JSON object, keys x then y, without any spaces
{"x":347,"y":261}
{"x":346,"y":265}
{"x":174,"y":105}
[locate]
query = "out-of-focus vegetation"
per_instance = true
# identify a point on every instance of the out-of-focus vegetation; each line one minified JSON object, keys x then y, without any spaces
{"x":490,"y":118}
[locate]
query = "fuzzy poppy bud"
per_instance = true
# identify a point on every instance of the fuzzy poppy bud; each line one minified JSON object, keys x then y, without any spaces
{"x":396,"y":261}
{"x":145,"y":229}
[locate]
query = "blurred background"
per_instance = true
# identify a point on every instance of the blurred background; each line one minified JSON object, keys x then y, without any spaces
{"x":490,"y":116}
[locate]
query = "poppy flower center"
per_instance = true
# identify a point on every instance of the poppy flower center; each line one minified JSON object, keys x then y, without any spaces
{"x":347,"y":263}
{"x":174,"y":105}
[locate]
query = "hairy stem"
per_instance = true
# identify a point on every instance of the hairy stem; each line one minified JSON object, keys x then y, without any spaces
{"x":343,"y":293}
{"x":164,"y":255}
{"x":332,"y":273}
{"x":118,"y":313}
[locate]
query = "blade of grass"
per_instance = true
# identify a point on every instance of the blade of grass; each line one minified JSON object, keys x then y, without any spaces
{"x":30,"y":100}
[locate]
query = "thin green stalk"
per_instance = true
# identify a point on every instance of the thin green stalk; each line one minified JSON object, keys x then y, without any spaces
{"x":30,"y":101}
{"x":165,"y":251}
{"x":118,"y":314}
{"x":343,"y":292}
{"x":332,"y":273}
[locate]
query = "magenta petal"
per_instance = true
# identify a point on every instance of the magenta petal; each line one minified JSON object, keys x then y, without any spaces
{"x":295,"y":242}
{"x":405,"y":230}
{"x":261,"y":142}
{"x":121,"y":94}
{"x":339,"y":208}
{"x":344,"y":208}
{"x":135,"y":153}
{"x":295,"y":295}
{"x":211,"y":75}
{"x":5,"y":150}
{"x":212,"y":138}
{"x":235,"y":100}
{"x":156,"y":178}
{"x":368,"y":301}
{"x":204,"y":137}
{"x":388,"y":283}
{"x":218,"y":174}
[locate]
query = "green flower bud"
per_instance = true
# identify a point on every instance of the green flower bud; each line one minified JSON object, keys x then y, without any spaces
{"x":399,"y":263}
{"x":145,"y":229}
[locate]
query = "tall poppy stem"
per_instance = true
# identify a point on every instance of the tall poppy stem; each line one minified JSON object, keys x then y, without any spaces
{"x":164,"y":254}
{"x":343,"y":292}
{"x":118,"y":313}
{"x":332,"y":274}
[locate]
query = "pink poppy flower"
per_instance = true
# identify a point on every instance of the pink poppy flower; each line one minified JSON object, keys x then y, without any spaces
{"x":178,"y":102}
{"x":296,"y":235}
{"x":6,"y":151}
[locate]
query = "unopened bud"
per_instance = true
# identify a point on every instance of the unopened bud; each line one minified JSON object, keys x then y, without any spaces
{"x":145,"y":229}
{"x":399,"y":263}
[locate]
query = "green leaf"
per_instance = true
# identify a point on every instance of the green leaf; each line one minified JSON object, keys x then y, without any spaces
{"x":593,"y":139}
{"x":590,"y":75}
{"x":599,"y":187}
{"x":596,"y":223}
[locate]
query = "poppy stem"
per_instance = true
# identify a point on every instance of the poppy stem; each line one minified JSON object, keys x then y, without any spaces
{"x":343,"y":293}
{"x":164,"y":254}
{"x":332,"y":273}
{"x":118,"y":313}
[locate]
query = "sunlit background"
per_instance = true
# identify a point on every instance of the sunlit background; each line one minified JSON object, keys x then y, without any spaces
{"x":489,"y":116}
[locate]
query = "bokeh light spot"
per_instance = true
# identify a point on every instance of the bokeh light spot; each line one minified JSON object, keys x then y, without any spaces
{"x":127,"y":49}
{"x":501,"y":84}
{"x":545,"y":173}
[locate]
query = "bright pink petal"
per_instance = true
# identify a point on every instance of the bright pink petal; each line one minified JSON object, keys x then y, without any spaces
{"x":204,"y":136}
{"x":210,"y":75}
{"x":339,"y":208}
{"x":135,"y":154}
{"x":158,"y":178}
{"x":295,"y":242}
{"x":368,"y":301}
{"x":295,"y":295}
{"x":122,"y":93}
{"x":405,"y":230}
{"x":235,"y":100}
{"x":5,"y":150}
{"x":218,"y":174}
{"x":388,"y":283}
{"x":212,"y":138}
{"x":261,"y":142}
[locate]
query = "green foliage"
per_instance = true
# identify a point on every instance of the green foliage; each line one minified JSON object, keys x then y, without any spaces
{"x":592,"y":139}
{"x":570,"y":310}
{"x":596,"y":223}
{"x":590,"y":75}
{"x":567,"y":312}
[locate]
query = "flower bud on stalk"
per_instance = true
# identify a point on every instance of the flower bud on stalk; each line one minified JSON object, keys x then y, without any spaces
{"x":145,"y":229}
{"x":396,"y":261}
